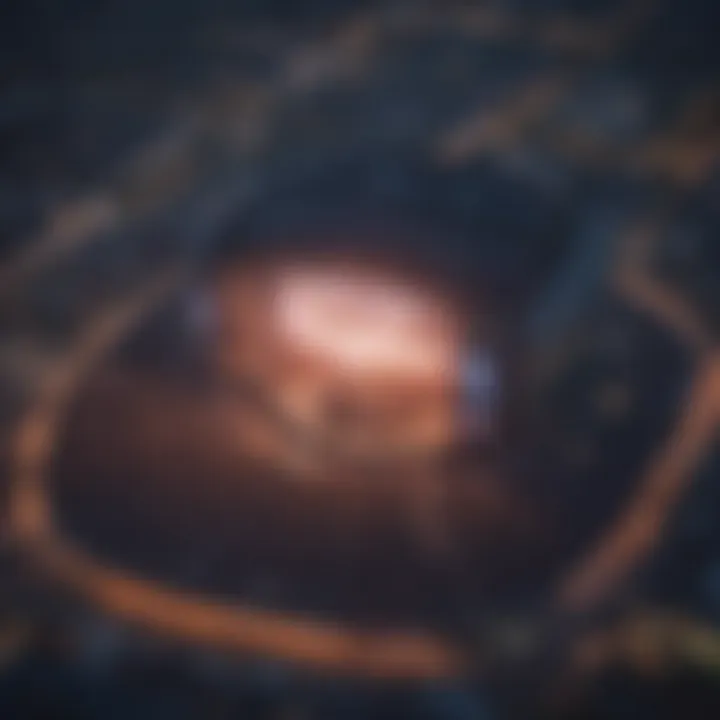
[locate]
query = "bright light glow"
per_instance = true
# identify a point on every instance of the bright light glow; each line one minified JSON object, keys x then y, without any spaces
{"x":363,"y":323}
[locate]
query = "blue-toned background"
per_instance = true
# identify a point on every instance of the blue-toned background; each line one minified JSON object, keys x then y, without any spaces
{"x":572,"y":146}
